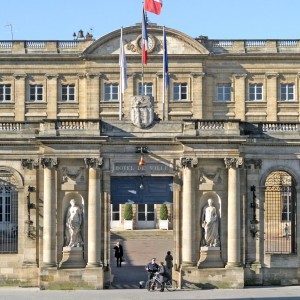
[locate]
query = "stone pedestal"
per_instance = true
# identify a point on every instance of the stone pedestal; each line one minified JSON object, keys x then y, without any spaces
{"x":210,"y":257}
{"x":72,"y":258}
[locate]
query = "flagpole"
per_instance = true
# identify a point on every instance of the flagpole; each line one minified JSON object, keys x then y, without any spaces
{"x":143,"y":19}
{"x":164,"y":79}
{"x":121,"y":78}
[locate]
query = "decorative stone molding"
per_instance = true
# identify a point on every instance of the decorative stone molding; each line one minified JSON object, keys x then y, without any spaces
{"x":197,"y":74}
{"x":93,"y":162}
{"x":188,"y":162}
{"x":81,"y":75}
{"x":47,"y":162}
{"x":51,"y":76}
{"x":93,"y":75}
{"x":239,"y":76}
{"x":73,"y":174}
{"x":256,"y":163}
{"x":29,"y":163}
{"x":271,"y":75}
{"x":233,"y":162}
{"x":19,"y":76}
{"x":210,"y":177}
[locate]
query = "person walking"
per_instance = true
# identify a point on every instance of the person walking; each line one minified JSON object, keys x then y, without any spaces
{"x":163,"y":275}
{"x":118,"y":253}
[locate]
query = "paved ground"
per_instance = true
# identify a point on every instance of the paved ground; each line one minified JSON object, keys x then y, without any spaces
{"x":139,"y":247}
{"x":278,"y":293}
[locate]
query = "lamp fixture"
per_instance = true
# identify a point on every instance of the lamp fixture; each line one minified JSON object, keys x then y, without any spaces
{"x":141,"y":150}
{"x":253,"y":223}
{"x":142,"y":183}
{"x":30,"y":206}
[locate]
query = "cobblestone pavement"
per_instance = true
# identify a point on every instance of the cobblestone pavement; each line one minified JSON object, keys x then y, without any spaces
{"x":269,"y":293}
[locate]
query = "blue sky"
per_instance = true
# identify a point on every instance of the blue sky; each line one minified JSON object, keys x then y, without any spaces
{"x":217,"y":19}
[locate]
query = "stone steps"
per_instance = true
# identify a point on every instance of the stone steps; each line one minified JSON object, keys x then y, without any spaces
{"x":141,"y":234}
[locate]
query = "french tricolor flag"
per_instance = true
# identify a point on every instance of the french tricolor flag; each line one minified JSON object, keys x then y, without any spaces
{"x":153,"y":6}
{"x":144,"y":40}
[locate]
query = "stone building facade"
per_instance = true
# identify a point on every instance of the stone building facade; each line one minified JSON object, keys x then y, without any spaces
{"x":228,"y":130}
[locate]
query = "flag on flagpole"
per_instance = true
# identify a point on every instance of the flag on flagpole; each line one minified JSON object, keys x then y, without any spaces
{"x":144,"y":40}
{"x":166,"y":60}
{"x":123,"y":65}
{"x":153,"y":6}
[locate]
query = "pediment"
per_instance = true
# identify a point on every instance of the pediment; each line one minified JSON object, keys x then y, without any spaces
{"x":178,"y":42}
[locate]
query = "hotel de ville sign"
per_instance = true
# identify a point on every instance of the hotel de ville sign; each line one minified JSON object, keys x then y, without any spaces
{"x":123,"y":168}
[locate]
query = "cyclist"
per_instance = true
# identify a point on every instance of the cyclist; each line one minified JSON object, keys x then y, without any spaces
{"x":152,"y":268}
{"x":163,"y":275}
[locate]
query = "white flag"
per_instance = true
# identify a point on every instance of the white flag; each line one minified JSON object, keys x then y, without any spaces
{"x":123,"y":66}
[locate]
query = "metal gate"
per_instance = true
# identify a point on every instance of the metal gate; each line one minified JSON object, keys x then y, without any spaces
{"x":280,"y":213}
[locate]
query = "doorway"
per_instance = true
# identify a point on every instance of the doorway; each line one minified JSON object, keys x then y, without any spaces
{"x":146,"y":217}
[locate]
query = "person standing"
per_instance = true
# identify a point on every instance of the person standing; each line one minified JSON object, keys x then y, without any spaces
{"x":151,"y":268}
{"x":169,"y":262}
{"x":118,"y":253}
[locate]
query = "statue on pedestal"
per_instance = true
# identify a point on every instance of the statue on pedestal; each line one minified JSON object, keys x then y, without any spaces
{"x":210,"y":223}
{"x":73,"y":225}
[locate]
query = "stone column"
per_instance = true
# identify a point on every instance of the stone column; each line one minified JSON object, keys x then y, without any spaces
{"x":255,"y":240}
{"x":20,"y":98}
{"x":52,"y":92}
{"x":94,"y":208}
{"x":93,"y":91}
{"x":49,"y":230}
{"x":234,"y":224}
{"x":188,"y":211}
{"x":197,"y":80}
{"x":271,"y":96}
{"x":239,"y":86}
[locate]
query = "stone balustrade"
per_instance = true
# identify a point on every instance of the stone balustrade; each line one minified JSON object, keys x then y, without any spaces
{"x":20,"y":47}
{"x":251,"y":46}
{"x":190,"y":127}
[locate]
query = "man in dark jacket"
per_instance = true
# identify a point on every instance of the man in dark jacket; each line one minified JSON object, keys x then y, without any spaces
{"x":118,"y":253}
{"x":151,"y":268}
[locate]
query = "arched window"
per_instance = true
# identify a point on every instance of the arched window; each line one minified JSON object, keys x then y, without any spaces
{"x":280,"y":213}
{"x":8,"y":218}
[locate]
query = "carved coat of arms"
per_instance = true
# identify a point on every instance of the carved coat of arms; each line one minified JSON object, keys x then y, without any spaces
{"x":142,"y":111}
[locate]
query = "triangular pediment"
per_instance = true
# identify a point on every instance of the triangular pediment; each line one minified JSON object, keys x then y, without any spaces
{"x":178,"y":42}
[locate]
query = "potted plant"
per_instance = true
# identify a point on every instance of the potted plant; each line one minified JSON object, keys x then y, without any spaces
{"x":163,"y":216}
{"x":128,"y":216}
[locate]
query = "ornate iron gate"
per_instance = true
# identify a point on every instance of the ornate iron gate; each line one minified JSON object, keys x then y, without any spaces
{"x":280,"y":213}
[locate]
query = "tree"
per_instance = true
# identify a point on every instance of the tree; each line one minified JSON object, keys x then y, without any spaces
{"x":128,"y":213}
{"x":163,"y":213}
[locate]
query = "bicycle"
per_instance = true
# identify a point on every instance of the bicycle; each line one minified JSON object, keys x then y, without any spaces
{"x":154,"y":284}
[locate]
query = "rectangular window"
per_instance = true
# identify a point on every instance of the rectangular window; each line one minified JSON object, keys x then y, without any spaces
{"x":224,"y":92}
{"x":287,"y":91}
{"x":68,"y":92}
{"x":36,"y":92}
{"x":111,"y":91}
{"x":255,"y":91}
{"x":5,"y":92}
{"x":180,"y":91}
{"x":147,"y":89}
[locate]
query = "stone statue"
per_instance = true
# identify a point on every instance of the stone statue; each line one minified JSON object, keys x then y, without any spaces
{"x":210,"y":225}
{"x":73,"y":225}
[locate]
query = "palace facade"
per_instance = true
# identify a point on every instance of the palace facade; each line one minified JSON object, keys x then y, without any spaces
{"x":226,"y":129}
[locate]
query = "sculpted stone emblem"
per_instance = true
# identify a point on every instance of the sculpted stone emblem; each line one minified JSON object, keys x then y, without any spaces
{"x":142,"y":111}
